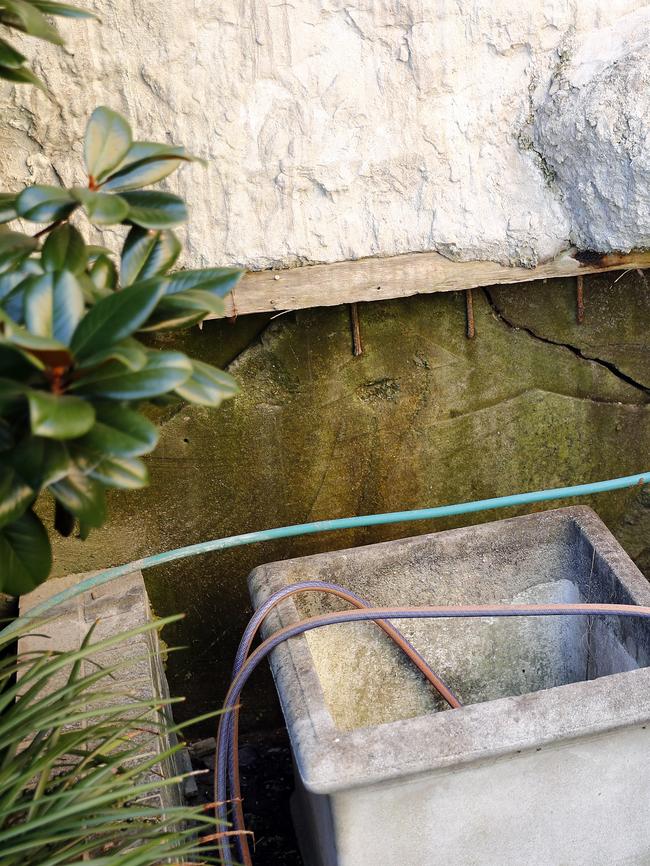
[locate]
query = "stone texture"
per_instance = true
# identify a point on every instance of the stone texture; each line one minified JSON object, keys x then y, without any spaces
{"x":337,"y":130}
{"x":591,"y":132}
{"x":423,"y":417}
{"x":554,"y":711}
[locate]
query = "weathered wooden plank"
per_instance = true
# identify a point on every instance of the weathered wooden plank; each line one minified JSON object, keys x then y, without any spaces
{"x":376,"y":279}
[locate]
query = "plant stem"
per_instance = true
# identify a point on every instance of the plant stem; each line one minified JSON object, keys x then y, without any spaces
{"x":49,"y":228}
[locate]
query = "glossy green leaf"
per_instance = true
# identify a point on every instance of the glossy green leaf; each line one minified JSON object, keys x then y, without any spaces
{"x":82,"y":496}
{"x":17,"y":363}
{"x":183,"y":309}
{"x":68,"y":306}
{"x":94,"y":251}
{"x":64,"y":250}
{"x":13,"y":303}
{"x":40,"y":461}
{"x":108,"y":139}
{"x":155,"y":163}
{"x":32,"y":20}
{"x":176,"y":319}
{"x":90,"y":291}
{"x":44,"y":204}
{"x":220,"y":281}
{"x":9,"y":57}
{"x":59,"y":416}
{"x":63,"y":10}
{"x":152,"y":209}
{"x":103,"y":273}
{"x":102,"y":209}
{"x":12,"y":396}
{"x":8,"y":210}
{"x":12,"y":69}
{"x":12,"y":278}
{"x":25,"y":555}
{"x":147,"y":162}
{"x":6,"y":436}
{"x":116,"y":317}
{"x":9,"y":388}
{"x":195,"y":299}
{"x":15,"y":246}
{"x":38,"y":305}
{"x":21,"y":75}
{"x":129,"y":353}
{"x":127,"y":473}
{"x":54,"y":305}
{"x":147,"y":254}
{"x":207,"y":385}
{"x":15,"y":495}
{"x":119,"y":431}
{"x":164,"y":372}
{"x":43,"y":349}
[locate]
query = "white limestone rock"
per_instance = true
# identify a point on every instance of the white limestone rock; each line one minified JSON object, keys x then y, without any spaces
{"x":335,"y":129}
{"x":592,"y":132}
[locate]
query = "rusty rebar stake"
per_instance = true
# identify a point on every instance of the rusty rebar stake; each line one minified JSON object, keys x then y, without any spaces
{"x":580,"y":299}
{"x":357,"y":343}
{"x":232,"y":318}
{"x":469,"y":315}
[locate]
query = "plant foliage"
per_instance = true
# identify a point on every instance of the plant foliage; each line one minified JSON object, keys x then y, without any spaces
{"x":79,"y":754}
{"x":79,"y":763}
{"x":73,"y":374}
{"x":30,"y":17}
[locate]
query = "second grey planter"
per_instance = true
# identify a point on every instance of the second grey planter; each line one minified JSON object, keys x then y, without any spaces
{"x":113,"y":608}
{"x":548,"y":761}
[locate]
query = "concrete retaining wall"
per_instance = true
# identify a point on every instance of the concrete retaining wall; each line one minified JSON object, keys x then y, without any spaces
{"x":423,"y":417}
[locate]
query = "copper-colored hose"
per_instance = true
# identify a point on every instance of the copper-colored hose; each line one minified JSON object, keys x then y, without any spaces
{"x":428,"y":612}
{"x":394,"y":633}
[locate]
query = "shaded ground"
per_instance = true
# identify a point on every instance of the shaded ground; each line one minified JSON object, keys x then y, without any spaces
{"x":267,"y":783}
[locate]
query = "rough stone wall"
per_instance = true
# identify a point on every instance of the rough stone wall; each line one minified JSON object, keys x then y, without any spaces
{"x":591,"y":130}
{"x":423,"y":417}
{"x":338,"y":129}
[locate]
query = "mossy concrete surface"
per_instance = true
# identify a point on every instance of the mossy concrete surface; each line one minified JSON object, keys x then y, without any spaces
{"x":423,"y":417}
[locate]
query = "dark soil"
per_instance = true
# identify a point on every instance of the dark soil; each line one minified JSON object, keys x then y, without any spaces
{"x":267,"y":783}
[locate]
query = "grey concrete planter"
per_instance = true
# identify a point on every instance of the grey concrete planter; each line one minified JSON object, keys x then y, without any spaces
{"x":548,"y":762}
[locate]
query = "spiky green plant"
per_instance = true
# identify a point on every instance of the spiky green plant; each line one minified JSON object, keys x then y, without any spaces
{"x":76,"y":763}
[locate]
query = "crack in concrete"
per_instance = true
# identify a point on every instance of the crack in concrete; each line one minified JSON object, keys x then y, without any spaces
{"x":608,"y":365}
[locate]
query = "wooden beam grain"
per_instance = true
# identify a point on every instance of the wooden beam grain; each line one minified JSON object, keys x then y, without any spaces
{"x":377,"y":279}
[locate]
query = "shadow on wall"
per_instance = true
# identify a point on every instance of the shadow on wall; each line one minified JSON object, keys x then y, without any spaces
{"x":423,"y":417}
